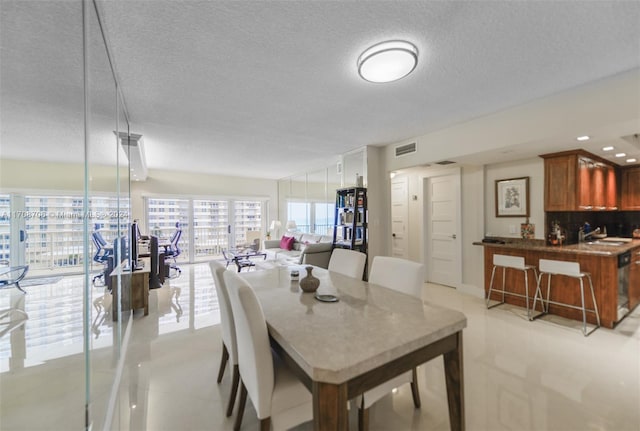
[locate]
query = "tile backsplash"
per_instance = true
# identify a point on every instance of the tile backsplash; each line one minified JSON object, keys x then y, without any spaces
{"x":618,"y":223}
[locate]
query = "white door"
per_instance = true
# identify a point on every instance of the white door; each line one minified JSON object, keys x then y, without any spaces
{"x":442,"y":220}
{"x":399,"y":217}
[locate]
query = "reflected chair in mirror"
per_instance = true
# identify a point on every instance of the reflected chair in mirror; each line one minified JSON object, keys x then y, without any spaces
{"x":277,"y":394}
{"x":12,"y":318}
{"x":347,"y":262}
{"x":102,"y":254}
{"x":228,"y":332}
{"x":406,"y":277}
{"x":173,"y":251}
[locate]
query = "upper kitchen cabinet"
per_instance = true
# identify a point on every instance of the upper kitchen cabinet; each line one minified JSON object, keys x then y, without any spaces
{"x":631,"y":189}
{"x":579,"y":181}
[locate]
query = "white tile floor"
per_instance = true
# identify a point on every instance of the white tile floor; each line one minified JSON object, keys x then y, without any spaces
{"x":519,"y":375}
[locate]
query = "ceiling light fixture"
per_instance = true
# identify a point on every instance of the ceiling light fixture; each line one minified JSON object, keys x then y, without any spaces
{"x":631,"y":160}
{"x":620,"y":155}
{"x":609,"y":148}
{"x":583,"y":138}
{"x":133,"y":146}
{"x":388,"y":61}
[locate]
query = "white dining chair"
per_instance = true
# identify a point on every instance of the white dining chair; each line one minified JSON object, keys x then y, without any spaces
{"x":278,"y":397}
{"x":403,"y":276}
{"x":347,"y":262}
{"x":228,"y":329}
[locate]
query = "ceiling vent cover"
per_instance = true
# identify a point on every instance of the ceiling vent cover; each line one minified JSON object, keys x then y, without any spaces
{"x":403,"y":150}
{"x":445,"y":162}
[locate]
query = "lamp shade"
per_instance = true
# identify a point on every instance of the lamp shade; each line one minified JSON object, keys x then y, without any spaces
{"x":291,"y":225}
{"x":275,"y":225}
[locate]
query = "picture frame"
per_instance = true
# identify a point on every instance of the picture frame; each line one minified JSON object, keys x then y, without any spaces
{"x":512,"y":197}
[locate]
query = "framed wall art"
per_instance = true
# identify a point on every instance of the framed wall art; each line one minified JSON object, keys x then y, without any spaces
{"x":512,"y":197}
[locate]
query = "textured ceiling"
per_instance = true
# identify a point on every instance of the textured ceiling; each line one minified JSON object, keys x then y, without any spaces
{"x":269,"y":89}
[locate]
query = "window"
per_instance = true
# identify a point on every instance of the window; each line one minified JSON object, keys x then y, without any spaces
{"x":300,"y":212}
{"x":210,"y":221}
{"x":212,"y":225}
{"x":247,"y":216}
{"x":316,"y":217}
{"x":163,"y":214}
{"x":54,"y":226}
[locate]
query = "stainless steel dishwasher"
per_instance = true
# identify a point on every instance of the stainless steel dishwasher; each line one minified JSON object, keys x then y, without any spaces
{"x":624,"y":265}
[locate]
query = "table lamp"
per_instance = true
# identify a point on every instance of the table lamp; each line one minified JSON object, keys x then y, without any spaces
{"x":291,"y":226}
{"x":275,"y":227}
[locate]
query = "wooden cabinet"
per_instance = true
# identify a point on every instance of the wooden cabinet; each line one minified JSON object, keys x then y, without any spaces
{"x":560,"y":183}
{"x":579,"y":181}
{"x":630,"y":199}
{"x":350,"y":224}
{"x":634,"y":279}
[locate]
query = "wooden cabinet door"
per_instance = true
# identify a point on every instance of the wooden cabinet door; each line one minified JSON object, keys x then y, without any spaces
{"x":583,"y":185}
{"x":560,"y":183}
{"x":631,"y":189}
{"x":597,"y":187}
{"x":611,"y":184}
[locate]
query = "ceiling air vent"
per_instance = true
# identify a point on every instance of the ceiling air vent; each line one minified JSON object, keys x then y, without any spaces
{"x":445,"y":162}
{"x":403,"y":150}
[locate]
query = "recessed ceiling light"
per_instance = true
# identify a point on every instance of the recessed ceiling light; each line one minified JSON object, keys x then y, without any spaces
{"x":609,"y":148}
{"x":620,"y":155}
{"x":583,"y":138}
{"x":388,"y":61}
{"x":631,"y":160}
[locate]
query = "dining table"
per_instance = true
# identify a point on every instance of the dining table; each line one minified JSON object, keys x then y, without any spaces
{"x":369,"y":335}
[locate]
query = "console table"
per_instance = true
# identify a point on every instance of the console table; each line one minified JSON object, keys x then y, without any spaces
{"x":138,"y":295}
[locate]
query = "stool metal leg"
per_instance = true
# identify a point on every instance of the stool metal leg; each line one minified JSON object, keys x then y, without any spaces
{"x":493,"y":273}
{"x":593,"y":297}
{"x":526,"y":293}
{"x":535,"y":296}
{"x":584,"y":310}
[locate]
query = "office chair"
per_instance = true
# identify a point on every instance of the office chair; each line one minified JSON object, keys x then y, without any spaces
{"x":174,"y":250}
{"x":102,"y":254}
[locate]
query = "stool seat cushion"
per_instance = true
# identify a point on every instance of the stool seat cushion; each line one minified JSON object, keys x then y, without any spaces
{"x":560,"y":267}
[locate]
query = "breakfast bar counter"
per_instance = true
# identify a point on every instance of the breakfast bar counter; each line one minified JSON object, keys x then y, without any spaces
{"x":599,"y":258}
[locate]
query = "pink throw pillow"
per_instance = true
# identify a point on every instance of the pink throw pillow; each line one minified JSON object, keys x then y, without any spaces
{"x":286,"y":242}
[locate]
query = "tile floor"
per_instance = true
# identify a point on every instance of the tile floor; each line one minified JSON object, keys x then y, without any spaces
{"x":519,"y":375}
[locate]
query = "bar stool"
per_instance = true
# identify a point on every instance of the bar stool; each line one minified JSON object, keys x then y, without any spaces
{"x":517,"y":263}
{"x":569,"y":269}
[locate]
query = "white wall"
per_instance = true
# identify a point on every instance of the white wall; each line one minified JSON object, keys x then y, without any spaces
{"x":473,"y":193}
{"x":510,"y":226}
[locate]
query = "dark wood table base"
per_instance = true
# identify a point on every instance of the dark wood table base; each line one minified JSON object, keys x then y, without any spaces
{"x":330,"y":400}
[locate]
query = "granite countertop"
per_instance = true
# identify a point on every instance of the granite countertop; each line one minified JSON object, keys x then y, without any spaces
{"x":601,"y":248}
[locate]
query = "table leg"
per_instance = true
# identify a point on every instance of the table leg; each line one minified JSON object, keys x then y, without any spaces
{"x":454,"y":376}
{"x":330,"y":407}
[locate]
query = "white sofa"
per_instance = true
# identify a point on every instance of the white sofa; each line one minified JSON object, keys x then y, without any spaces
{"x":308,"y":249}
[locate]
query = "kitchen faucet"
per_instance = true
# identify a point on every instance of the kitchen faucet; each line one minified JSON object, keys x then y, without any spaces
{"x":583,"y":236}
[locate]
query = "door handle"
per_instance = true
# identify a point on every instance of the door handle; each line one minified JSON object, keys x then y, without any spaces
{"x":453,"y":236}
{"x":393,"y":235}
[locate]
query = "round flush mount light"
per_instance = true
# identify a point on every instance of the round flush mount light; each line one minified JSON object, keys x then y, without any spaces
{"x":388,"y":61}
